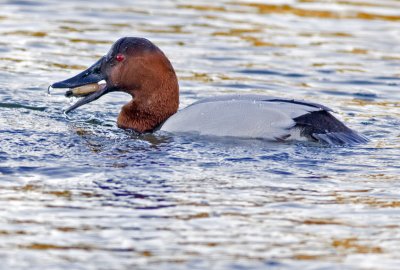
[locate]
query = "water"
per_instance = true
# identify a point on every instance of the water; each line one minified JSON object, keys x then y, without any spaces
{"x":79,"y":193}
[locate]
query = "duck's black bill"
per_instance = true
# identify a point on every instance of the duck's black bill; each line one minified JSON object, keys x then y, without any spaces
{"x":91,"y":75}
{"x":85,"y":85}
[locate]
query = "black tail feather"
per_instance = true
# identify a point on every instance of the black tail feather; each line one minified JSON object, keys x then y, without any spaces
{"x":340,"y":138}
{"x":323,"y":127}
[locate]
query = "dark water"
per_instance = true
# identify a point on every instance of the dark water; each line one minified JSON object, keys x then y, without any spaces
{"x":79,"y":193}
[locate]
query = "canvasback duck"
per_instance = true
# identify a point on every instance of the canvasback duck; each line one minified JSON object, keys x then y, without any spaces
{"x":138,"y":67}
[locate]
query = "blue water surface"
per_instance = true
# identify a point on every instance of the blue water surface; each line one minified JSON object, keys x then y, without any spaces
{"x":78,"y":193}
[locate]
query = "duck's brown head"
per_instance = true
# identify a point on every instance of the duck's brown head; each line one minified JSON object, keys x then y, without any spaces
{"x":135,"y":66}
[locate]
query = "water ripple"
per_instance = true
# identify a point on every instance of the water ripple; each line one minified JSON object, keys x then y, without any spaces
{"x":77,"y":192}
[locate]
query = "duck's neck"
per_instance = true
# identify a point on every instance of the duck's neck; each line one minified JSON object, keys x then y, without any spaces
{"x":149,"y":107}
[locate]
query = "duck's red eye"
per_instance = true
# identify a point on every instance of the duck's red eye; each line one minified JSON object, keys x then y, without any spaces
{"x":119,"y":57}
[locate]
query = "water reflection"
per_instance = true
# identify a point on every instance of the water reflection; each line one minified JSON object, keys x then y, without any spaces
{"x":79,"y":192}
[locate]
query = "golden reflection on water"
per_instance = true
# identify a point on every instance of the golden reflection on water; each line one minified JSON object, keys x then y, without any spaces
{"x":288,"y":9}
{"x":43,"y":246}
{"x":352,"y":245}
{"x":343,"y":247}
{"x":26,"y":33}
{"x":66,"y":66}
{"x":340,"y":199}
{"x":324,"y":14}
